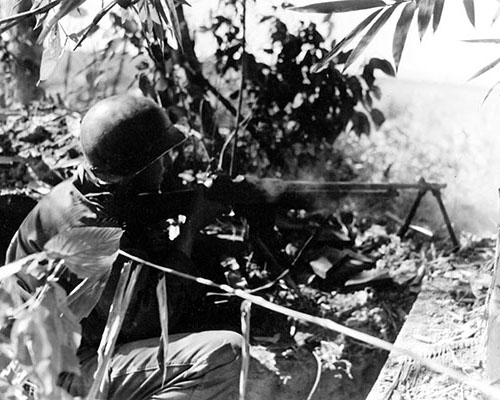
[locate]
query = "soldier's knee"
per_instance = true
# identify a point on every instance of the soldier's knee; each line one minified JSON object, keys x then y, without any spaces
{"x":227,"y":348}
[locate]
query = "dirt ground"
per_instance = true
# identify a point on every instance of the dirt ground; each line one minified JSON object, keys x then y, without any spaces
{"x":446,"y":324}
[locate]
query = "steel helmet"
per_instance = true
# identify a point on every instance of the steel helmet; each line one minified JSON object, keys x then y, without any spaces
{"x":122,"y":135}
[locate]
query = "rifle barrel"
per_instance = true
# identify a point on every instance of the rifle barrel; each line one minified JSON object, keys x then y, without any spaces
{"x":341,"y":187}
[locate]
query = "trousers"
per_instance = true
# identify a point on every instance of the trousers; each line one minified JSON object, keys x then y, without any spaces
{"x":200,"y":366}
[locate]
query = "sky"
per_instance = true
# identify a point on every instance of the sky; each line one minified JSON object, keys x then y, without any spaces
{"x":441,"y":57}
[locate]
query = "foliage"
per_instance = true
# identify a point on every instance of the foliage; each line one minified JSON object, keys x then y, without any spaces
{"x":292,"y":115}
{"x":6,"y":72}
{"x":40,"y":337}
{"x":426,"y":11}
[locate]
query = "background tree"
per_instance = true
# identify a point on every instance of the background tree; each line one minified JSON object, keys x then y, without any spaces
{"x":288,"y":117}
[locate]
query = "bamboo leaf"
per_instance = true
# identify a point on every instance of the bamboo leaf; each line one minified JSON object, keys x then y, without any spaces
{"x":65,"y":8}
{"x":339,"y":6}
{"x":154,"y":14}
{"x":86,"y":251}
{"x":121,"y":300}
{"x":437,"y":13}
{"x":368,"y":37}
{"x":245,"y":316}
{"x":52,"y":52}
{"x":425,"y":9}
{"x":345,"y":41}
{"x":485,"y":69}
{"x":40,"y":18}
{"x":401,"y":32}
{"x":490,"y":91}
{"x":495,"y":17}
{"x":161,"y":295}
{"x":174,"y":19}
{"x":469,"y":9}
{"x":491,"y":41}
{"x":161,"y":11}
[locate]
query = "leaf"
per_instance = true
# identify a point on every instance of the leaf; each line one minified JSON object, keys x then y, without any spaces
{"x":438,"y":11}
{"x":490,"y":91}
{"x":16,"y":266}
{"x":383,"y":65}
{"x":154,"y":13}
{"x":495,"y":17}
{"x":425,"y":9}
{"x":377,"y":117}
{"x":345,"y":41}
{"x":491,"y":41}
{"x":86,"y":251}
{"x":40,"y":18}
{"x":174,"y":20}
{"x":65,"y":8}
{"x":360,"y":123}
{"x":364,"y":277}
{"x":85,"y":296}
{"x":245,"y":318}
{"x":121,"y":300}
{"x":339,"y":6}
{"x":52,"y":52}
{"x":45,"y":339}
{"x":368,"y":37}
{"x":321,"y":266}
{"x":485,"y":69}
{"x":401,"y":31}
{"x":161,"y":11}
{"x":161,"y":295}
{"x":469,"y":9}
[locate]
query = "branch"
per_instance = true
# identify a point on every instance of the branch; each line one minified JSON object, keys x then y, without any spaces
{"x":28,"y":14}
{"x":242,"y":86}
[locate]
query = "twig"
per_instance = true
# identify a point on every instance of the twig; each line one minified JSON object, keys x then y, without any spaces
{"x":480,"y":385}
{"x":286,"y":271}
{"x":229,"y":140}
{"x":242,"y":86}
{"x":95,"y":21}
{"x":246,"y":308}
{"x":318,"y":376}
{"x":304,"y":246}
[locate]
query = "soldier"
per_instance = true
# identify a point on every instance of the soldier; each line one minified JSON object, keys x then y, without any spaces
{"x":124,"y":140}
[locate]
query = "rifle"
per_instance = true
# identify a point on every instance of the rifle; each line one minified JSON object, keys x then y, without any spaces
{"x":257,"y":200}
{"x":250,"y":192}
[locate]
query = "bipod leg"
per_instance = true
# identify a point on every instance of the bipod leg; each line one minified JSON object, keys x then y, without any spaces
{"x":421,"y":193}
{"x":451,"y":232}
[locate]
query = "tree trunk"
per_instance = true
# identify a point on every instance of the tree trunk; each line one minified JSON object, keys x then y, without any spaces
{"x":492,"y":342}
{"x":27,"y":56}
